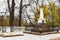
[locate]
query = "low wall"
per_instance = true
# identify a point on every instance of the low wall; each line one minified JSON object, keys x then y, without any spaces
{"x":28,"y":28}
{"x":19,"y":29}
{"x":16,"y":29}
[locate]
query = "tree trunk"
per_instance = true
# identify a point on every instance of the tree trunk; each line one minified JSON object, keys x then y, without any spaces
{"x":20,"y":12}
{"x":11,"y":10}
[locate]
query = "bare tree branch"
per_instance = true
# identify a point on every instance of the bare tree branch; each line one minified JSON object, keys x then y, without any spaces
{"x":8,"y":2}
{"x":26,"y":5}
{"x":29,"y":18}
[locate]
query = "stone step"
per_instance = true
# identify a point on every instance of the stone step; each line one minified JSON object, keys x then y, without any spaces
{"x":11,"y":34}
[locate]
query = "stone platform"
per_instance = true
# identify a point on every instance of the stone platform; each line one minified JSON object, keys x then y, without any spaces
{"x":37,"y":33}
{"x":10,"y":34}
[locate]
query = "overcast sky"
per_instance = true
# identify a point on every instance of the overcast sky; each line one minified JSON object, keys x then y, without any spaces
{"x":1,"y":1}
{"x":3,"y":5}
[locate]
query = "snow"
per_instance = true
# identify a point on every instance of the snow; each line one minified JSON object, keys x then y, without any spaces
{"x":31,"y":37}
{"x":25,"y":37}
{"x":50,"y":36}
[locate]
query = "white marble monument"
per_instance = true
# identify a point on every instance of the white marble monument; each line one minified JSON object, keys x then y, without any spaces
{"x":41,"y":18}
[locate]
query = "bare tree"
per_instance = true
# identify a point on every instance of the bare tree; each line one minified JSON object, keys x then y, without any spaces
{"x":11,"y":11}
{"x":20,"y":10}
{"x":33,"y":9}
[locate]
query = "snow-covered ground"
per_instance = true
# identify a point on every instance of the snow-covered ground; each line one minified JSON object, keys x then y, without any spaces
{"x":31,"y":37}
{"x":50,"y":36}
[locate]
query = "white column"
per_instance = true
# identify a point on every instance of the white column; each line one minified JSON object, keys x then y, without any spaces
{"x":41,"y":16}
